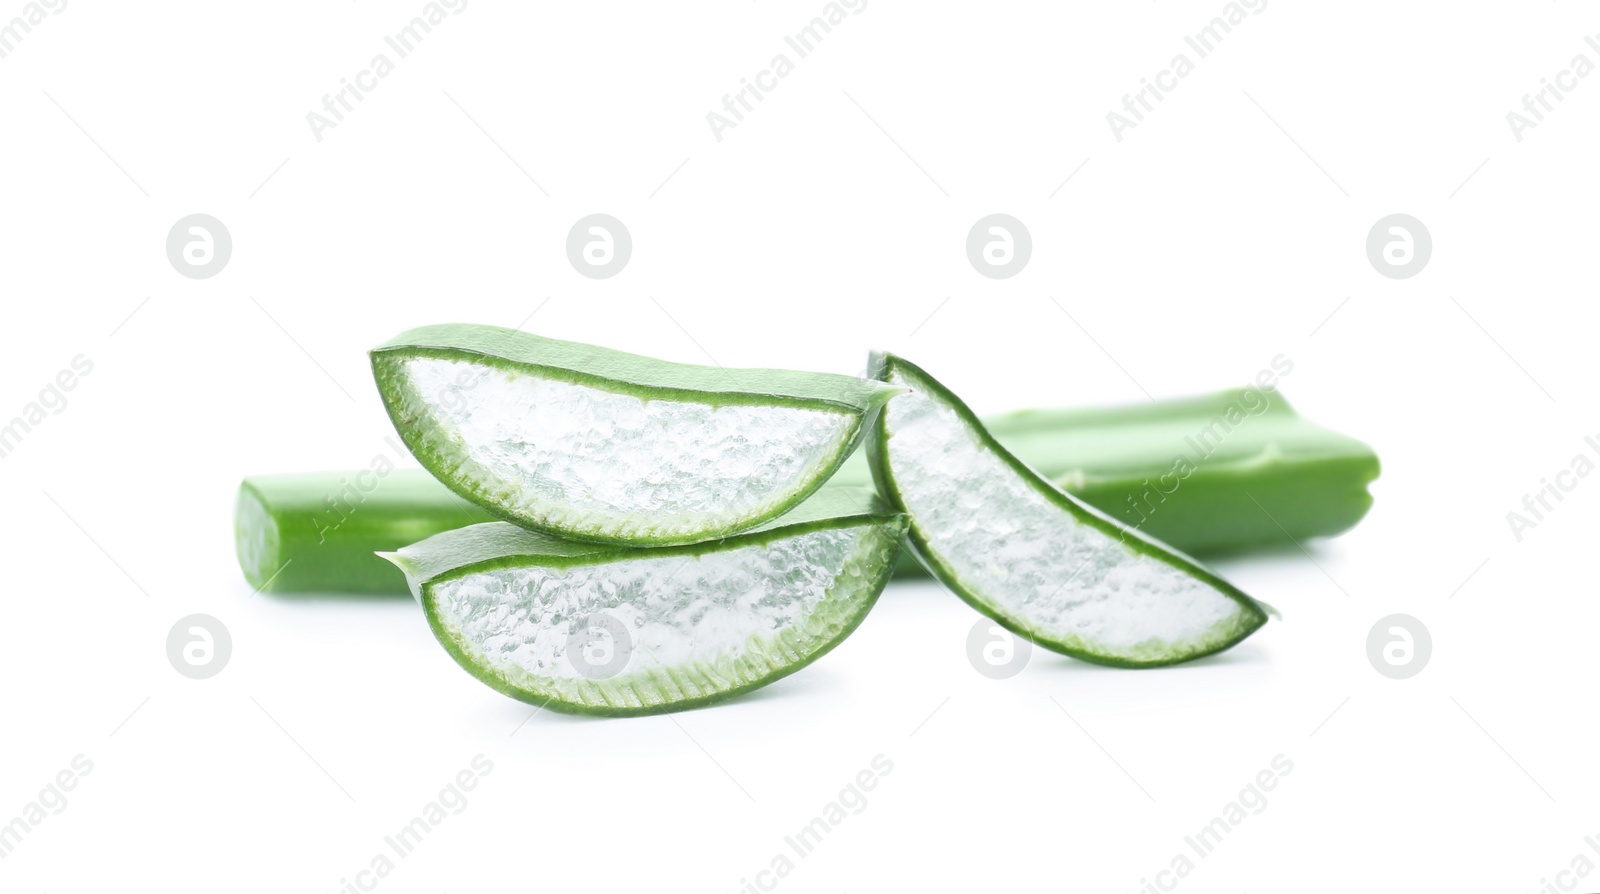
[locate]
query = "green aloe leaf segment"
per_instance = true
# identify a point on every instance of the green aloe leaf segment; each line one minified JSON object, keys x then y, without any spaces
{"x":1033,"y":557}
{"x":594,"y":444}
{"x":603,"y":629}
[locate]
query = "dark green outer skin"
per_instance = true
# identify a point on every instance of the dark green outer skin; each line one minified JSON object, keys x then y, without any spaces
{"x":882,"y":366}
{"x":1101,"y":456}
{"x":488,"y":550}
{"x":618,"y":372}
{"x":318,"y":550}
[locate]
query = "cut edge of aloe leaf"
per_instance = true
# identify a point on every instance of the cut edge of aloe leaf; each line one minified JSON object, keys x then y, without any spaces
{"x":256,"y":539}
{"x":1250,"y":616}
{"x":571,"y":508}
{"x":469,"y":557}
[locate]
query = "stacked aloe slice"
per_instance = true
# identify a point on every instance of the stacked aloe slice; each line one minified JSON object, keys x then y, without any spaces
{"x":600,"y":532}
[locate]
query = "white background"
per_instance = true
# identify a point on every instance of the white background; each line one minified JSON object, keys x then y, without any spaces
{"x":1222,"y":231}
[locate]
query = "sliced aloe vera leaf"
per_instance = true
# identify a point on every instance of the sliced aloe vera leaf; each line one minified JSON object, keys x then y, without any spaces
{"x":594,"y":444}
{"x":317,"y":531}
{"x":1034,"y":558}
{"x":594,"y":628}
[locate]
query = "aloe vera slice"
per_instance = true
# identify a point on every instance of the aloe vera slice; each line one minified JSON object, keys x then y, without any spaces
{"x":684,"y":625}
{"x":317,"y":531}
{"x":594,"y":444}
{"x":1031,"y":556}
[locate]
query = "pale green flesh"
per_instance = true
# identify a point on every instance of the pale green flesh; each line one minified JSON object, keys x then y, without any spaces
{"x":1030,"y":556}
{"x":697,"y":624}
